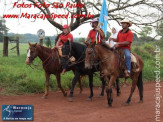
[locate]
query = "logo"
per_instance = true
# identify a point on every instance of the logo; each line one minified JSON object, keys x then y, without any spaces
{"x":17,"y":112}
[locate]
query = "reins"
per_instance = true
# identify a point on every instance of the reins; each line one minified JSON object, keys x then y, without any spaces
{"x":43,"y":63}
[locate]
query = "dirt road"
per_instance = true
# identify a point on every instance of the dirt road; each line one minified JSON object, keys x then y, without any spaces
{"x":56,"y":108}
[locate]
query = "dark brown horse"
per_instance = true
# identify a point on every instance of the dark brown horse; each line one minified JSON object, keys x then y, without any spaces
{"x":110,"y":67}
{"x":51,"y":63}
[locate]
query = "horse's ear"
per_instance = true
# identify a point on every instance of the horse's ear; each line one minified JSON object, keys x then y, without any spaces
{"x":35,"y":44}
{"x":29,"y":43}
{"x":86,"y":43}
{"x":93,"y":44}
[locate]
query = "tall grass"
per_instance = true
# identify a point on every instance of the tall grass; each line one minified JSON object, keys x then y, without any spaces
{"x":18,"y":78}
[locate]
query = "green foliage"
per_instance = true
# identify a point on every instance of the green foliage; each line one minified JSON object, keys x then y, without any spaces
{"x":146,"y":39}
{"x":108,"y":35}
{"x":135,"y":37}
{"x":48,"y":42}
{"x":3,"y":28}
{"x":81,"y":40}
{"x":145,"y":31}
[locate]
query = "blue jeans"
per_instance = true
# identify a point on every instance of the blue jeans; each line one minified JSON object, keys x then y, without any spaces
{"x":128,"y":59}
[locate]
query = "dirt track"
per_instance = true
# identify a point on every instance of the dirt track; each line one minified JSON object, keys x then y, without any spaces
{"x":57,"y":108}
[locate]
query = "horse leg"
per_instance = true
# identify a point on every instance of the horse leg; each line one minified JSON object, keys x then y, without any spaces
{"x":80,"y":85}
{"x":76,"y":78}
{"x":109,"y":90}
{"x":91,"y":86}
{"x":125,"y":82}
{"x":58,"y":77}
{"x":103,"y":86}
{"x":81,"y":89}
{"x":140,"y":86}
{"x":46,"y":85}
{"x":118,"y":88}
{"x":134,"y":83}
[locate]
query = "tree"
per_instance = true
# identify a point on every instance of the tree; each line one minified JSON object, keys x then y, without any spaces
{"x":146,"y":31}
{"x":3,"y":29}
{"x":145,"y":34}
{"x":160,"y":29}
{"x":140,"y":12}
{"x":135,"y":37}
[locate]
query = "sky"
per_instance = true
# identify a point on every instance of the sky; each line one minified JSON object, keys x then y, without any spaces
{"x":22,"y":25}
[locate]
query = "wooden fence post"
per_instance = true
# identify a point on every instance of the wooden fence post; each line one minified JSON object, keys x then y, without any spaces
{"x":17,"y":46}
{"x":5,"y":46}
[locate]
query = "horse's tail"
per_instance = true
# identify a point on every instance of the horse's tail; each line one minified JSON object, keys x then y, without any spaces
{"x":140,"y":86}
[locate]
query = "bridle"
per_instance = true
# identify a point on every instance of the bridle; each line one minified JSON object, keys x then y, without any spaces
{"x":92,"y":55}
{"x":69,"y":56}
{"x":43,"y":63}
{"x":32,"y":57}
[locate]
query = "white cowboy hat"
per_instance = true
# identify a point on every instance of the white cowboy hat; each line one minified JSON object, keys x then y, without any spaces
{"x":95,"y":20}
{"x":126,"y":21}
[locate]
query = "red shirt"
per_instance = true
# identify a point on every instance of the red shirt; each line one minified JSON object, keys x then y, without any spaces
{"x":92,"y":35}
{"x":125,"y":36}
{"x":64,"y":38}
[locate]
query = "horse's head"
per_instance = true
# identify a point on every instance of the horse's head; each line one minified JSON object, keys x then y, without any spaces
{"x":90,"y":55}
{"x":32,"y":53}
{"x":66,"y":53}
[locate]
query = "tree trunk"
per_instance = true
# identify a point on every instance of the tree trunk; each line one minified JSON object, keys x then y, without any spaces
{"x":41,"y":41}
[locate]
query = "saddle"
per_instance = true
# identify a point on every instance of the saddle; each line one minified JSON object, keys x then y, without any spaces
{"x":121,"y":61}
{"x":56,"y":55}
{"x":71,"y":59}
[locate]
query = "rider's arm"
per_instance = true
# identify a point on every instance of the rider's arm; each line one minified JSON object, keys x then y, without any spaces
{"x":115,"y":40}
{"x":100,"y":32}
{"x":87,"y":39}
{"x":58,"y":42}
{"x":125,"y":43}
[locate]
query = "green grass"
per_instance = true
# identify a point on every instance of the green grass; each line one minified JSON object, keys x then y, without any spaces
{"x":18,"y":78}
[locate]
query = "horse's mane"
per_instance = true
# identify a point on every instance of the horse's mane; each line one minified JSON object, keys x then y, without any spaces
{"x":45,"y":49}
{"x":106,"y":46}
{"x":79,"y":46}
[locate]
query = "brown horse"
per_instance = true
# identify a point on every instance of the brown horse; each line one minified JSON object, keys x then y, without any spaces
{"x":110,"y":67}
{"x":51,"y":63}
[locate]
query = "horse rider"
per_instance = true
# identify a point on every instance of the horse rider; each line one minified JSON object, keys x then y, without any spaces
{"x":124,"y":40}
{"x":95,"y":34}
{"x":65,"y":36}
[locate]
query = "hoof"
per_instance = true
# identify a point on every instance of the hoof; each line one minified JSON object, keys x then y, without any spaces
{"x":89,"y":99}
{"x":70,"y":99}
{"x":80,"y":92}
{"x":44,"y":97}
{"x":126,"y":104}
{"x":100,"y":96}
{"x":141,"y":101}
{"x":65,"y":94}
{"x":109,"y":105}
{"x":118,"y":94}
